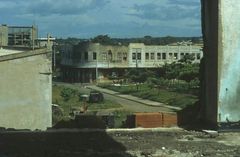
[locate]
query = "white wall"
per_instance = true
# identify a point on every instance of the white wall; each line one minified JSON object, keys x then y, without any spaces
{"x":26,"y":93}
{"x":229,"y":61}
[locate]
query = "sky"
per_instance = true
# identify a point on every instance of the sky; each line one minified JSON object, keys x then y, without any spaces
{"x":117,"y":18}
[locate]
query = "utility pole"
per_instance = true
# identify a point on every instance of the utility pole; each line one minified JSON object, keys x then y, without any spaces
{"x":96,"y":68}
{"x":1,"y":39}
{"x":136,"y":60}
{"x":33,"y":38}
{"x":54,"y":58}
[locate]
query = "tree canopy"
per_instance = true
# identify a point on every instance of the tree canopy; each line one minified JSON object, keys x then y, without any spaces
{"x":148,"y":40}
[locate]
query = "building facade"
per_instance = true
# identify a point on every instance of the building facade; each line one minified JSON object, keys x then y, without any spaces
{"x":19,"y":36}
{"x":22,"y":36}
{"x":25,"y":89}
{"x":87,"y":61}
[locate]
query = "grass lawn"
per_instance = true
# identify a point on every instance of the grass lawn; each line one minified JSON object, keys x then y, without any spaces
{"x":120,"y":115}
{"x":164,"y":96}
{"x":75,"y":103}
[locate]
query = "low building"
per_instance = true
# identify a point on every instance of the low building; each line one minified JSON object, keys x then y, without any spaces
{"x":48,"y":42}
{"x":87,"y":61}
{"x":25,"y":89}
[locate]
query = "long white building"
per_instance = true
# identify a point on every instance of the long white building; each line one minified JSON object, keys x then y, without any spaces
{"x":87,"y":61}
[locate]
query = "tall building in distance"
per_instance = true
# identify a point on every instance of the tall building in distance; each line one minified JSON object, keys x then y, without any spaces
{"x":18,"y":36}
{"x":22,"y":36}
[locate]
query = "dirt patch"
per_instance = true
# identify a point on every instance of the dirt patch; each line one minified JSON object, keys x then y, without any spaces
{"x":118,"y":143}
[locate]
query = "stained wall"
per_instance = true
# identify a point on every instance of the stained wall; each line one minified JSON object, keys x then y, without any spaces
{"x":26,"y":90}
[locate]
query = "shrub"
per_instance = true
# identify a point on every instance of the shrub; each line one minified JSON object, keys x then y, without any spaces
{"x":68,"y":93}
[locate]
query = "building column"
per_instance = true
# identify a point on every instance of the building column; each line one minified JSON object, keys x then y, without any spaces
{"x":221,"y":61}
{"x":178,"y":53}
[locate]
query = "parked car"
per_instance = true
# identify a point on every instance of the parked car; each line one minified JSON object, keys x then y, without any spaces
{"x":95,"y":97}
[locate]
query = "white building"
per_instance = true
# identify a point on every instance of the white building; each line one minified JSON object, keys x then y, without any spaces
{"x":152,"y":56}
{"x":87,"y":61}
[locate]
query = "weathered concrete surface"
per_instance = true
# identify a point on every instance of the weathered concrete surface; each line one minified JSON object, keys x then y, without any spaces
{"x":3,"y":35}
{"x":221,"y":61}
{"x":25,"y":90}
{"x":229,"y":63}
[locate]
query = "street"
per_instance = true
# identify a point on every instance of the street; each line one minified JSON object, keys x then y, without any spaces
{"x":127,"y":104}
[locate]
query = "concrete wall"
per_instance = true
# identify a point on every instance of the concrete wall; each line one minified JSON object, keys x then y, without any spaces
{"x":3,"y":35}
{"x":26,"y":91}
{"x":221,"y":61}
{"x":229,"y":61}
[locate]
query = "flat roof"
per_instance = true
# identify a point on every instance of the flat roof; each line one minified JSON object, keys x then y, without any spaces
{"x":4,"y":52}
{"x":10,"y":54}
{"x":20,"y":26}
{"x":45,"y":39}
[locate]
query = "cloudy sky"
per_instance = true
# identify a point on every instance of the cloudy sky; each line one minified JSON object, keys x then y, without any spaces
{"x":117,"y":18}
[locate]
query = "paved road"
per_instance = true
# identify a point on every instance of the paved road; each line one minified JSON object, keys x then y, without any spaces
{"x":133,"y":98}
{"x":127,"y":104}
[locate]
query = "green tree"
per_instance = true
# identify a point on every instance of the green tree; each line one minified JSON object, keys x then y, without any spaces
{"x":188,"y":59}
{"x":148,"y":40}
{"x":158,"y":83}
{"x":138,"y":76}
{"x":172,"y":70}
{"x":184,"y":69}
{"x":103,"y":39}
{"x":189,"y":72}
{"x":67,"y":94}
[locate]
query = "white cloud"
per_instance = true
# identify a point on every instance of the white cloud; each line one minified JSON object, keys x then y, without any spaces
{"x":119,"y":18}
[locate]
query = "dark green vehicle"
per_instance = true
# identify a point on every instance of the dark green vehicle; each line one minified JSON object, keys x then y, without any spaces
{"x":95,"y":97}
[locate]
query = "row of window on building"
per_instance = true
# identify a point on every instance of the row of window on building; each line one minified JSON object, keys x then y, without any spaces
{"x":163,"y":56}
{"x":121,"y":56}
{"x":137,"y":55}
